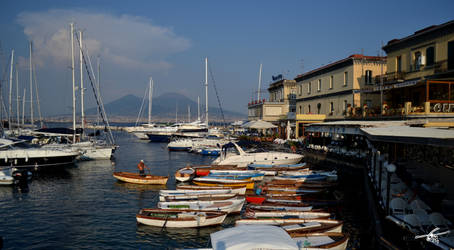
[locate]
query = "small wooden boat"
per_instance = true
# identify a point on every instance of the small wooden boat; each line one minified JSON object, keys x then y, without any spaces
{"x":280,"y":221}
{"x":168,"y":192}
{"x":221,"y":171}
{"x":202,"y":197}
{"x":203,"y":170}
{"x":332,"y":241}
{"x":229,"y":206}
{"x":6,"y":177}
{"x":184,"y":174}
{"x":295,"y":198}
{"x":238,"y":190}
{"x":294,"y":183}
{"x":302,"y":178}
{"x":284,"y":167}
{"x":287,"y":214}
{"x":288,"y":191}
{"x":249,"y":184}
{"x":237,"y":175}
{"x":279,"y":208}
{"x":179,"y":218}
{"x":137,"y":179}
{"x":331,"y":226}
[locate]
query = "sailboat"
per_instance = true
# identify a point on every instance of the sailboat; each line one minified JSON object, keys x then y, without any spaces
{"x":142,"y":130}
{"x":91,"y":149}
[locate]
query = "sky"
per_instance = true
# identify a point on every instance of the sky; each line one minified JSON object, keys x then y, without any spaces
{"x":168,"y":40}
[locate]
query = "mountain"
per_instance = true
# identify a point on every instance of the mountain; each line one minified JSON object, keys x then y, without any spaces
{"x":164,"y":108}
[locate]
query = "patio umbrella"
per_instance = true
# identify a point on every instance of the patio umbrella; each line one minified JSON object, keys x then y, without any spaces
{"x":259,"y":124}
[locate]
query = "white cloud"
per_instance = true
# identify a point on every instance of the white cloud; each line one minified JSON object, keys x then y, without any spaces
{"x":124,"y":41}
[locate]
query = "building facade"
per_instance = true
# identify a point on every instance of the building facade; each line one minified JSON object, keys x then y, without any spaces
{"x":420,"y":78}
{"x":334,"y":91}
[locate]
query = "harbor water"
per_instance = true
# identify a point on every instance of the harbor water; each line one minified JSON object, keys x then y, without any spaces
{"x":83,"y":206}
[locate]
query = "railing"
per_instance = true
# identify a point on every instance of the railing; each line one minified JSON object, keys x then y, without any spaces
{"x":390,"y":77}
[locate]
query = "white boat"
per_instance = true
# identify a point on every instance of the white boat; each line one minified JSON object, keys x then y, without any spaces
{"x":185,"y":174}
{"x":287,"y":214}
{"x":6,"y":177}
{"x":332,"y":241}
{"x":179,"y":218}
{"x":89,"y":150}
{"x":241,"y":158}
{"x":228,"y":206}
{"x":314,"y":227}
{"x":252,"y":237}
{"x":166,"y":192}
{"x":187,"y":197}
{"x":236,"y":190}
{"x":18,"y":154}
{"x":221,"y":171}
{"x":279,"y":208}
{"x":280,"y":221}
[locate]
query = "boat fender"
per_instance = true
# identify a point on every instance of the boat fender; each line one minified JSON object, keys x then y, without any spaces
{"x":26,"y":158}
{"x":15,"y":161}
{"x":6,"y":159}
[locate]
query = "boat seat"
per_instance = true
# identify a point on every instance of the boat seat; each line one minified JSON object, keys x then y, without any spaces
{"x":413,"y":223}
{"x":422,"y":215}
{"x":417,"y":203}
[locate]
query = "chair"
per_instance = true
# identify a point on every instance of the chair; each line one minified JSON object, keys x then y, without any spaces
{"x":422,"y":215}
{"x":417,"y":203}
{"x":413,"y":223}
{"x":438,"y":220}
{"x":398,"y":206}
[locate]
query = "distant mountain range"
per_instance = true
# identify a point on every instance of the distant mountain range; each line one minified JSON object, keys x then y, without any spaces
{"x":164,"y":108}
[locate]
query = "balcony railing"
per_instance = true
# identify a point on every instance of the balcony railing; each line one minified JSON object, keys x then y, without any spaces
{"x":391,"y":77}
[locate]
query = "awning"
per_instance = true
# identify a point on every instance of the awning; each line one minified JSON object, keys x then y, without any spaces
{"x":260,"y":124}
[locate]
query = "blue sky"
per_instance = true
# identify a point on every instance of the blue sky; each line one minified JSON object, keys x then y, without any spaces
{"x":169,"y":40}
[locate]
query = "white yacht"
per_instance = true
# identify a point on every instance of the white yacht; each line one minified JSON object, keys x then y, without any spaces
{"x":241,"y":158}
{"x":18,"y":154}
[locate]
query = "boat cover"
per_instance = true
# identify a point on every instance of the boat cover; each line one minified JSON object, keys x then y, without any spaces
{"x":252,"y":237}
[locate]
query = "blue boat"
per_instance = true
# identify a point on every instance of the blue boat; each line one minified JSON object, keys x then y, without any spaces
{"x":284,"y":166}
{"x":211,"y":151}
{"x":158,"y":137}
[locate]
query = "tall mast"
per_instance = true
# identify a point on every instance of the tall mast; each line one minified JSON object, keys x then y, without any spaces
{"x":150,"y":99}
{"x":17,"y":99}
{"x":260,"y":83}
{"x":10,"y":89}
{"x":189,"y":113}
{"x":198,"y":108}
{"x":74,"y":82}
{"x":97,"y":87}
{"x":82,"y":112}
{"x":206,"y":91}
{"x":31,"y":85}
{"x":23,"y":108}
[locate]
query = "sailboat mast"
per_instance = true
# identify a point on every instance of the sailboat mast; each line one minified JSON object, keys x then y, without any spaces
{"x":74,"y":82}
{"x":260,"y":83}
{"x":23,"y":108}
{"x":189,"y":113}
{"x":150,"y":99}
{"x":10,"y":89}
{"x":206,"y":91}
{"x":82,"y":112}
{"x":17,"y":98}
{"x":198,"y":108}
{"x":31,"y":85}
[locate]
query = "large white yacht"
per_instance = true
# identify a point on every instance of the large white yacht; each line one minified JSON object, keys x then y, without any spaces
{"x":241,"y":158}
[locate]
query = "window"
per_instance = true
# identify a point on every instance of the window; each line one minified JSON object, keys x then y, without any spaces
{"x":345,"y":78}
{"x":319,"y":108}
{"x":368,"y":77}
{"x":309,"y":109}
{"x":331,"y":108}
{"x":430,"y":56}
{"x":300,"y":109}
{"x":345,"y":106}
{"x":399,"y":63}
{"x":418,"y":60}
{"x":309,"y":87}
{"x":331,"y":79}
{"x":319,"y":85}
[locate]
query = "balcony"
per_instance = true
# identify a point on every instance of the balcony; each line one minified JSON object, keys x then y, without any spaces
{"x":391,"y":77}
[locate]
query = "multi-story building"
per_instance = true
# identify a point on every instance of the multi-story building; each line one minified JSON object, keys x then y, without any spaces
{"x":281,"y":104}
{"x":334,"y":91}
{"x":420,"y":75}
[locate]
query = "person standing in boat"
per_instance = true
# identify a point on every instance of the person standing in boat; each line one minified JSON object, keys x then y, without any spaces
{"x":141,"y":166}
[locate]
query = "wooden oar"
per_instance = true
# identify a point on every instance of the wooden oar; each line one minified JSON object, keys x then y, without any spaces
{"x":165,"y":222}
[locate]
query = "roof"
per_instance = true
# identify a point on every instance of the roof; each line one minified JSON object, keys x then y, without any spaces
{"x":411,"y":135}
{"x":361,"y":123}
{"x":419,"y":34}
{"x":338,"y":63}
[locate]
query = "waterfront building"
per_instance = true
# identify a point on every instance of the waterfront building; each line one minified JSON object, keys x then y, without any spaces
{"x":334,"y":91}
{"x":419,"y":82}
{"x":279,"y":109}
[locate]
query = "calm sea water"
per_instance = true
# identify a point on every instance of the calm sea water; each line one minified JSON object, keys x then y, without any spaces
{"x":83,"y":206}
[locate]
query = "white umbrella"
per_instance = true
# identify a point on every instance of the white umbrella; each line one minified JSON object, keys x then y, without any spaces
{"x":259,"y":124}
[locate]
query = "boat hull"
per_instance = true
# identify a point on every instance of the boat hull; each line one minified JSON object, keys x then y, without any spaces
{"x":137,"y":179}
{"x":191,"y":218}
